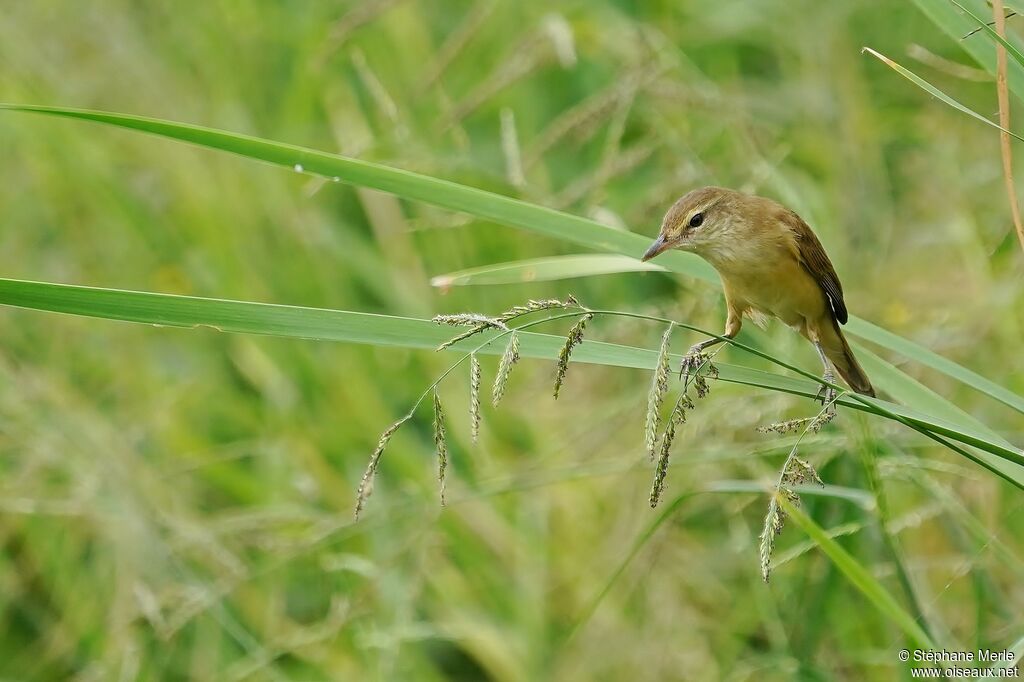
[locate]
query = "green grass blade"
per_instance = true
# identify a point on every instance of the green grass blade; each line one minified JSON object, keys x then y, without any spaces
{"x":858,"y":576}
{"x":855,"y":495}
{"x":1011,"y":49}
{"x":485,"y":205}
{"x":936,"y":93}
{"x":917,"y":353}
{"x":384,"y":330}
{"x":548,"y":269}
{"x":430,"y":190}
{"x":908,"y":391}
{"x":956,"y":25}
{"x":588,"y":265}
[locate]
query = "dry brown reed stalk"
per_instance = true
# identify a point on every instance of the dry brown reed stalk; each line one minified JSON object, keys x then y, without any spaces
{"x":572,"y":339}
{"x":474,"y":397}
{"x":508,"y":360}
{"x":659,"y":386}
{"x":441,"y":444}
{"x":366,"y":484}
{"x":1004,"y":119}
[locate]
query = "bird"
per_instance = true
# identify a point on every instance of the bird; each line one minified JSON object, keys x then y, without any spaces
{"x":772,"y":265}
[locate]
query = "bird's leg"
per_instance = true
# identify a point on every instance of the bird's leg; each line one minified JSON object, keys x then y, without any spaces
{"x":826,"y":394}
{"x":695,"y":357}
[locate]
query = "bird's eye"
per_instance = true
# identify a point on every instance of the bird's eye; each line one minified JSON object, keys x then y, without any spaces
{"x":697,"y":220}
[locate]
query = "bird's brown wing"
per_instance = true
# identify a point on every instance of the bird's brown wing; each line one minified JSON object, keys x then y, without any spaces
{"x":813,"y":258}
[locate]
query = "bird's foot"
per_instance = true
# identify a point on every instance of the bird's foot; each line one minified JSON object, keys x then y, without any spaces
{"x":692,"y":361}
{"x":826,"y":394}
{"x":696,"y":364}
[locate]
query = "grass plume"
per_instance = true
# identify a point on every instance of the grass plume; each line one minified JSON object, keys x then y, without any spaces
{"x":366,"y":484}
{"x":659,"y":386}
{"x":508,"y":360}
{"x":533,"y":306}
{"x":476,"y":323}
{"x":661,"y":471}
{"x":677,"y":417}
{"x":795,"y":471}
{"x":572,"y":339}
{"x":441,"y":443}
{"x":474,"y":397}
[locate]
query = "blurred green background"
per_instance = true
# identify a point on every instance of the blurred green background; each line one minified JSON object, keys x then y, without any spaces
{"x":177,"y":504}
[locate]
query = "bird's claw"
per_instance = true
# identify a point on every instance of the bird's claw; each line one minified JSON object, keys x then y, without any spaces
{"x":826,"y":394}
{"x":692,"y":361}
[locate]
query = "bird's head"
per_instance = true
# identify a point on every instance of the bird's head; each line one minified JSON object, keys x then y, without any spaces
{"x":702,"y":221}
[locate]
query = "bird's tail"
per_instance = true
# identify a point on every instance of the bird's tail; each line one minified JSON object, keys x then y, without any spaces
{"x":841,"y":355}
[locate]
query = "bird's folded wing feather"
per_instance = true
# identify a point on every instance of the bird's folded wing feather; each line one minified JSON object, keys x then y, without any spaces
{"x":813,"y":258}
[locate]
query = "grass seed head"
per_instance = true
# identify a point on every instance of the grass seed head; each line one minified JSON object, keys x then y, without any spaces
{"x":466,"y":320}
{"x":366,"y":484}
{"x":823,"y":418}
{"x":774,"y":521}
{"x":573,"y":339}
{"x":785,"y":426}
{"x":474,"y":397}
{"x":508,"y":360}
{"x":800,"y":471}
{"x":531,"y":306}
{"x":475,"y":321}
{"x":655,"y":397}
{"x":441,"y":444}
{"x":661,"y":472}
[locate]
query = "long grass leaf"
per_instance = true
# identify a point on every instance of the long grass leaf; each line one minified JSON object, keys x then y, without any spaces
{"x":936,"y":93}
{"x":857,"y":575}
{"x":956,"y":24}
{"x":918,"y":353}
{"x":480,"y":203}
{"x":994,"y":453}
{"x":548,"y":269}
{"x":418,"y":187}
{"x":1011,"y":49}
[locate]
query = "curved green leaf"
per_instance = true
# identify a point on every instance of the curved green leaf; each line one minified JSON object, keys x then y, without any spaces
{"x":859,"y":576}
{"x":547,"y":269}
{"x":956,"y":25}
{"x":936,"y":93}
{"x":917,"y":353}
{"x":384,"y":330}
{"x":1011,"y":49}
{"x":479,"y":203}
{"x":586,"y":265}
{"x":430,"y":190}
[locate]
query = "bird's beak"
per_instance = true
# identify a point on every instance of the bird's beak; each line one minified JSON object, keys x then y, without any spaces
{"x":657,"y":247}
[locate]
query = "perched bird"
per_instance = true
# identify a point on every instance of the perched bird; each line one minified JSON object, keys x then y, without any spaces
{"x":771,"y":265}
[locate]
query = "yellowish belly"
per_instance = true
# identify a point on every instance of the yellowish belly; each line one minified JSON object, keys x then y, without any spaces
{"x":784,"y":290}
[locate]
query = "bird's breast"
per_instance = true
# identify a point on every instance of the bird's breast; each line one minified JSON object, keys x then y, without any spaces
{"x":776,"y":285}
